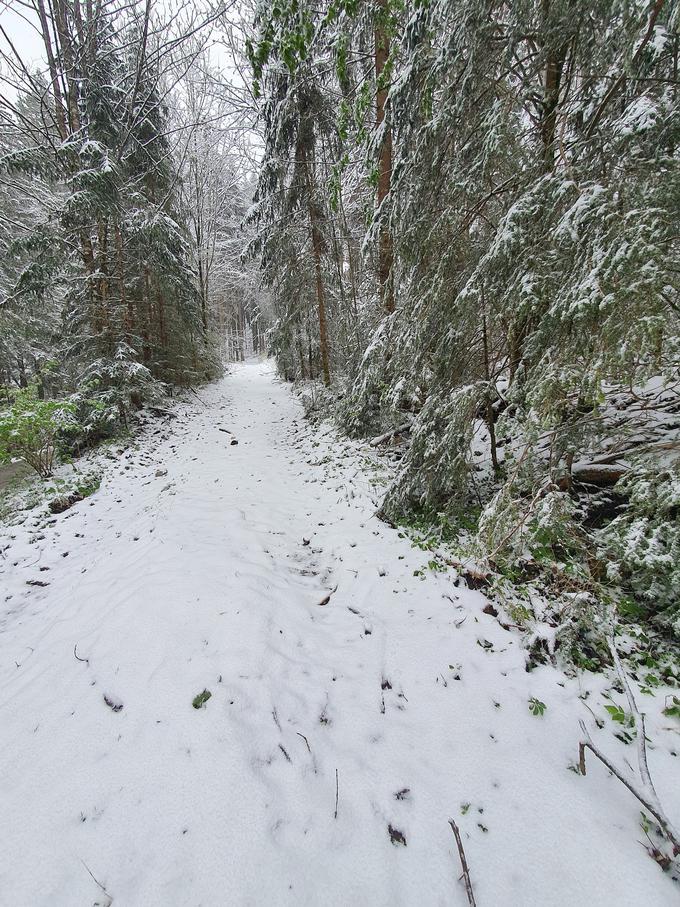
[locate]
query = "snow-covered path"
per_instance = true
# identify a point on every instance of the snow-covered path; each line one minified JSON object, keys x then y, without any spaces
{"x":203,"y":578}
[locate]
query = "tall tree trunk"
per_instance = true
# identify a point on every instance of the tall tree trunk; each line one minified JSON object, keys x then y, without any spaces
{"x":320,"y":297}
{"x":70,"y":61}
{"x":317,"y":250}
{"x":126,"y":302}
{"x":552,"y":78}
{"x":59,"y":112}
{"x":146,"y":320}
{"x":385,"y":246}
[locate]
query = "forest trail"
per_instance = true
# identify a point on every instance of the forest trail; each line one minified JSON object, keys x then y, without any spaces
{"x":399,"y":689}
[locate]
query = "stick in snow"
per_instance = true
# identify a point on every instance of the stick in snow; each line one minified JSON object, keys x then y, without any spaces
{"x":78,"y":658}
{"x":463,"y":863}
{"x":306,"y":741}
{"x":197,"y":397}
{"x":646,"y":793}
{"x":97,"y":882}
{"x":337,"y":791}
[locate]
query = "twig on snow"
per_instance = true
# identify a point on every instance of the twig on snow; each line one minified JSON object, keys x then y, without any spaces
{"x":197,"y":397}
{"x":78,"y":658}
{"x":285,"y":752}
{"x":632,"y":704}
{"x":463,"y":863}
{"x":306,"y":741}
{"x":97,"y":882}
{"x":645,"y":792}
{"x":337,"y":791}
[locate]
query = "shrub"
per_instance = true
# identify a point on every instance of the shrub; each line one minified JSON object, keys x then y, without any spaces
{"x":31,"y":429}
{"x":642,"y":546}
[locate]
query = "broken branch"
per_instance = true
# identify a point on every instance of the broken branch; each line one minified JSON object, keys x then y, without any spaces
{"x":463,"y":863}
{"x":646,"y":793}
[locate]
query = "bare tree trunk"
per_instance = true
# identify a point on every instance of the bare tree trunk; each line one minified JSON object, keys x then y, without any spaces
{"x":554,"y":66}
{"x":385,"y":246}
{"x":490,"y":415}
{"x":59,"y":112}
{"x":320,"y":298}
{"x":125,"y":301}
{"x":146,"y":321}
{"x":317,"y":248}
{"x":69,"y":58}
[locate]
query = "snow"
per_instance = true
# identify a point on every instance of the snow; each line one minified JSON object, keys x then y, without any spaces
{"x":212,"y":577}
{"x":640,"y":116}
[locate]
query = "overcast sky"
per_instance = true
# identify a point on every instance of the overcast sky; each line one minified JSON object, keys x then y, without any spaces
{"x":24,"y":36}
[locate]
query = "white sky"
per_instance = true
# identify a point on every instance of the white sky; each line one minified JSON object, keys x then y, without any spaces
{"x":15,"y":21}
{"x":24,"y":37}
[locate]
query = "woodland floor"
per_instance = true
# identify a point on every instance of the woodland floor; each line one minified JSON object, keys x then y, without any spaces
{"x":399,"y":689}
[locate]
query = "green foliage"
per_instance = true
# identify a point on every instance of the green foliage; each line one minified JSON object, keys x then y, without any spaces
{"x":536,"y":707}
{"x":672,"y":709}
{"x":618,"y":715}
{"x":32,"y":429}
{"x":642,"y":545}
{"x":62,"y":493}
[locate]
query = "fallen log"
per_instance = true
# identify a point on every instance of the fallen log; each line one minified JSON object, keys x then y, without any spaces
{"x":603,"y":474}
{"x":382,"y":439}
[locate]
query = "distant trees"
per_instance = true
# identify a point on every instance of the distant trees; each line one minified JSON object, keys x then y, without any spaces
{"x":314,"y":67}
{"x":121,"y":192}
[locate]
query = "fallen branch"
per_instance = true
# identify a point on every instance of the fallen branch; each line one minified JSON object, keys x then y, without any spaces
{"x":463,"y":863}
{"x":97,"y":882}
{"x":645,"y":793}
{"x":587,"y":743}
{"x":197,"y":397}
{"x":376,"y":442}
{"x":644,"y":446}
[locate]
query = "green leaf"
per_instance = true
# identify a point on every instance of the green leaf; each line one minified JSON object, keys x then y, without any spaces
{"x":536,"y":707}
{"x":200,"y":700}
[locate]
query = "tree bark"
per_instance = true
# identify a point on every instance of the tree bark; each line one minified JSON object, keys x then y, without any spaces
{"x":554,"y":66}
{"x":385,"y":245}
{"x":320,"y":297}
{"x":317,"y":250}
{"x":59,"y":113}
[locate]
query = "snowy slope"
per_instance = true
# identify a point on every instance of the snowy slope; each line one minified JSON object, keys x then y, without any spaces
{"x":201,"y":578}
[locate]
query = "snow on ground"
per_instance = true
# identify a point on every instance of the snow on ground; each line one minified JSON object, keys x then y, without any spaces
{"x":203,"y":579}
